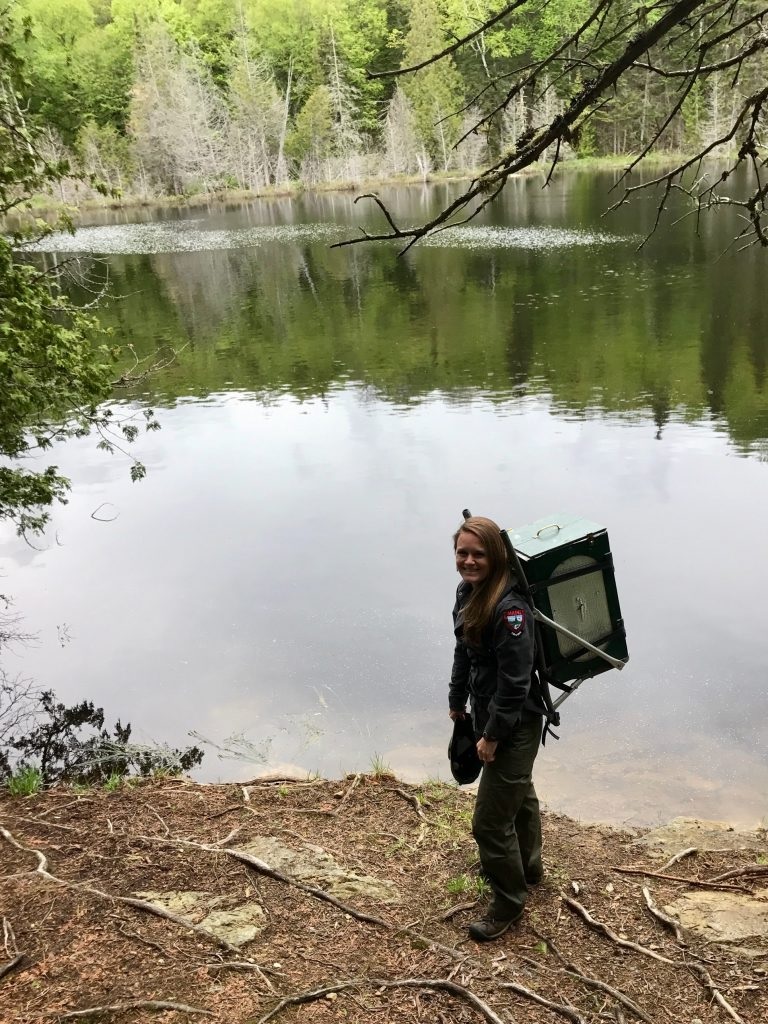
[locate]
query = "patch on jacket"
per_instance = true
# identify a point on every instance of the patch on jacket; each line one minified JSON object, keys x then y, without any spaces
{"x":515,"y":620}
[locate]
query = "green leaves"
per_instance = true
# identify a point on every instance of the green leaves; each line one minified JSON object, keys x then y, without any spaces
{"x":56,"y":371}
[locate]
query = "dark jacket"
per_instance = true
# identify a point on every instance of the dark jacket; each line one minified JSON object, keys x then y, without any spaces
{"x":498,"y":676}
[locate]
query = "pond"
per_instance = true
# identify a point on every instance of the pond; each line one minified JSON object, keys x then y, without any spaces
{"x":281,"y":582}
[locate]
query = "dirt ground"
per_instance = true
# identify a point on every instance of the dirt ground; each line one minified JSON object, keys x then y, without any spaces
{"x":74,"y":946}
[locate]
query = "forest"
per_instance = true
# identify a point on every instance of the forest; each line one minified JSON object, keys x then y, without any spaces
{"x":178,"y":97}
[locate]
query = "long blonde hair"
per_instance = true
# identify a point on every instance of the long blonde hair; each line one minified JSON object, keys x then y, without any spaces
{"x":479,"y":609}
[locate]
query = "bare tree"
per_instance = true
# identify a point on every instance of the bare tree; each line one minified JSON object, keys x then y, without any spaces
{"x":403,"y":152}
{"x":178,"y":121}
{"x":679,"y":46}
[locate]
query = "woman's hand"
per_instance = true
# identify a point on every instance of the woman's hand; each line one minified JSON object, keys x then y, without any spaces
{"x":486,"y":749}
{"x":453,"y":715}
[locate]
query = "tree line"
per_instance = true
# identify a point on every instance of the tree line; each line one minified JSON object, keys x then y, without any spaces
{"x":173,"y":97}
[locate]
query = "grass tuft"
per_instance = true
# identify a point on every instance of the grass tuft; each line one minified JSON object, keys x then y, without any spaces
{"x":379,"y":767}
{"x":25,"y":782}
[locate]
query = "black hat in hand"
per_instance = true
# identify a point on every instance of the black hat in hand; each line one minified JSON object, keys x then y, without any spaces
{"x":462,"y":752}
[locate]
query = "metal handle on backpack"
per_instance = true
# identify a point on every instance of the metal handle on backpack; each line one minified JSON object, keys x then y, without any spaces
{"x":541,"y":617}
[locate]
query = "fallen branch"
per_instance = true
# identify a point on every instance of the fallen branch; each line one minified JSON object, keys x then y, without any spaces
{"x":134,"y":1004}
{"x":598,"y":926}
{"x":245,"y":965}
{"x":9,"y":938}
{"x":678,"y":857}
{"x":752,"y":870}
{"x":438,"y":984}
{"x":229,"y":810}
{"x":349,"y":792}
{"x":685,"y":881}
{"x":62,"y":807}
{"x":7,"y":968}
{"x":665,"y":919}
{"x":49,"y":824}
{"x":413,"y":800}
{"x":564,"y":1011}
{"x":276,"y":778}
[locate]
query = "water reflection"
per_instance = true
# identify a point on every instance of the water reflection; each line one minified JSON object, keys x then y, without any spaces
{"x":285,"y":573}
{"x":562,"y":304}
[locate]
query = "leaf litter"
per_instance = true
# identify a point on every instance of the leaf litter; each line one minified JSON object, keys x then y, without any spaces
{"x":82,"y":944}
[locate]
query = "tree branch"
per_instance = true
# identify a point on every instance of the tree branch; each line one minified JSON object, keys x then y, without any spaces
{"x":531,"y":146}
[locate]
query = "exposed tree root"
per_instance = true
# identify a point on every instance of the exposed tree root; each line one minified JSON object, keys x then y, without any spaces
{"x":598,"y":926}
{"x":62,"y":807}
{"x":665,"y":919}
{"x":130,"y":901}
{"x":264,"y":869}
{"x":438,"y":984}
{"x":564,"y":1011}
{"x":9,"y":939}
{"x":695,"y":968}
{"x":134,"y":1004}
{"x":590,"y":981}
{"x":244,"y":965}
{"x":716,"y":994}
{"x":678,"y":857}
{"x":453,"y":911}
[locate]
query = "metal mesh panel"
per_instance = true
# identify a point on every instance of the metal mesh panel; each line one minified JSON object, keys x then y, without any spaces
{"x":579,"y":604}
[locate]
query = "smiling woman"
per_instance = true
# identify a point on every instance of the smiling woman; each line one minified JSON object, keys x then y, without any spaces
{"x":493,"y":667}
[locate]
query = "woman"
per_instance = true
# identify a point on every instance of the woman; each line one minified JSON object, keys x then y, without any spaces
{"x":493,"y":667}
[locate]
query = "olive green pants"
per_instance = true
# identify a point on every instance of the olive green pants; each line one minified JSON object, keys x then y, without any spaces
{"x":506,"y":823}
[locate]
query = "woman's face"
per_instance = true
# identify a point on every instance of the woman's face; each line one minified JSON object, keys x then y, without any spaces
{"x":471,"y":558}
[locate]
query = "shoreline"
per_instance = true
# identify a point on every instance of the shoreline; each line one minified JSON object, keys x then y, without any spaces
{"x":295,"y":190}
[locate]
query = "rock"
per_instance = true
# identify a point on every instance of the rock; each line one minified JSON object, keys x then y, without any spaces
{"x":682,"y":833}
{"x":315,"y":866}
{"x":730,"y":919}
{"x":236,"y":924}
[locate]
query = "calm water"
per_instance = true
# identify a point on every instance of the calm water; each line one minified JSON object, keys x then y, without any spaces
{"x":281,"y":583}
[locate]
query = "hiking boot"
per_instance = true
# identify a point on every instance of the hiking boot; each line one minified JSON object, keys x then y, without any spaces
{"x":490,"y":928}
